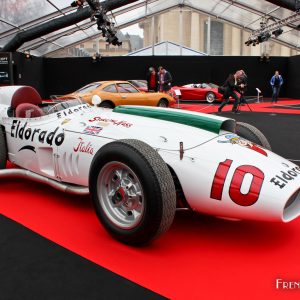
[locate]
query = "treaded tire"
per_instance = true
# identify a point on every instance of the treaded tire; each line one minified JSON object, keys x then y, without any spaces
{"x":252,"y":134}
{"x":3,"y":150}
{"x":159,"y":196}
{"x":163,"y":103}
{"x":106,"y":104}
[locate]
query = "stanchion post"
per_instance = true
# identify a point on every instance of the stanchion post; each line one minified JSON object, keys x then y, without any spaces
{"x":258,"y":92}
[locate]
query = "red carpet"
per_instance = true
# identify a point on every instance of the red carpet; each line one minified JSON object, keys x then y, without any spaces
{"x":284,"y":106}
{"x":199,"y":258}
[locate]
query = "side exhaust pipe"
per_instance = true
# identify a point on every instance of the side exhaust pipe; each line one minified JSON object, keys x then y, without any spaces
{"x":67,"y":188}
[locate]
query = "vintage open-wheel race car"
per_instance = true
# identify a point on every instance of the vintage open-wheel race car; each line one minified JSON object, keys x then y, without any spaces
{"x":141,"y":163}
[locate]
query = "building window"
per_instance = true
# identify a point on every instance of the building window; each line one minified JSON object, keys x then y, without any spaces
{"x":94,"y":46}
{"x":81,"y":46}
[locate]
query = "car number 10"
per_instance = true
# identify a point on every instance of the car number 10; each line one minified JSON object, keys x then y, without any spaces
{"x":235,"y":193}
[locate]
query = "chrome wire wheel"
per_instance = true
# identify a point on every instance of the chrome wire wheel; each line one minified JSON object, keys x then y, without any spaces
{"x":120,"y":195}
{"x":210,"y":97}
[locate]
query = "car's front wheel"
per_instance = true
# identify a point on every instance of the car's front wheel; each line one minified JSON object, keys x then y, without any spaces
{"x":3,"y":150}
{"x":210,"y":97}
{"x":133,"y":191}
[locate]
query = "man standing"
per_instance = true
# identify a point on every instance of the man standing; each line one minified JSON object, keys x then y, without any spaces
{"x":231,"y":87}
{"x":276,"y":82}
{"x":243,"y":79}
{"x":152,"y":80}
{"x":164,"y":79}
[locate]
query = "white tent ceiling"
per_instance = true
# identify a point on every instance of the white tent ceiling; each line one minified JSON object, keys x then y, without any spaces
{"x":16,"y":16}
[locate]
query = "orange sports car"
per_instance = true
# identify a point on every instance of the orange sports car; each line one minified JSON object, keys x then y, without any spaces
{"x":114,"y":93}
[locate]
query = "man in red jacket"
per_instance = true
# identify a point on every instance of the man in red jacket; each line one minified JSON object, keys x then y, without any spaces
{"x":152,"y":80}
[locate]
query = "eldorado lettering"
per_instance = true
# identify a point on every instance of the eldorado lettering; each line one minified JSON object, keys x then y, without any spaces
{"x":284,"y":177}
{"x":22,"y":132}
{"x":70,"y":111}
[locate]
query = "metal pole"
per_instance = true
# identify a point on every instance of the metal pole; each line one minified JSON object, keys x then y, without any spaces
{"x":208,"y":35}
{"x":180,"y":30}
{"x":153,"y":35}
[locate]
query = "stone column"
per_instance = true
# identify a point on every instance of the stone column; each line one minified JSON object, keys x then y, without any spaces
{"x":227,"y":37}
{"x":195,"y":31}
{"x":235,"y":41}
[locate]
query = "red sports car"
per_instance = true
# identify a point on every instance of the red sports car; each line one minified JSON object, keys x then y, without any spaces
{"x":139,"y":84}
{"x":199,"y":91}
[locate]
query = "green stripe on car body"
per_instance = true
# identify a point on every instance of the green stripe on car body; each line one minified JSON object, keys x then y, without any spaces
{"x":199,"y":121}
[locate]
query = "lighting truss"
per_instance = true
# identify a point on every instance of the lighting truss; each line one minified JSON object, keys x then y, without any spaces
{"x":104,"y":24}
{"x":264,"y":32}
{"x":276,"y":25}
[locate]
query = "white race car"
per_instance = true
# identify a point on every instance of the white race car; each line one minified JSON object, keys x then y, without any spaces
{"x":139,"y":164}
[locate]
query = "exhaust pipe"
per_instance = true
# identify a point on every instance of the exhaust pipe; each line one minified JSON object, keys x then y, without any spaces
{"x":67,"y":188}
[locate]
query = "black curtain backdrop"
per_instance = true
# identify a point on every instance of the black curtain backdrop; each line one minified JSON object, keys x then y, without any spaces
{"x":57,"y":76}
{"x":293,"y":83}
{"x":29,"y":72}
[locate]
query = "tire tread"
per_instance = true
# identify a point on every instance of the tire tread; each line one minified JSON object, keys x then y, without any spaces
{"x":255,"y":134}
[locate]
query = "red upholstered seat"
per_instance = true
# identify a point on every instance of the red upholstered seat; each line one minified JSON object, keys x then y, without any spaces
{"x":25,"y":94}
{"x":28,"y":110}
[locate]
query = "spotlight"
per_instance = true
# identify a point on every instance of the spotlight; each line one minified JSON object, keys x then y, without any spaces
{"x":249,"y":42}
{"x":262,"y":57}
{"x":113,"y":40}
{"x":77,"y":3}
{"x":96,"y":57}
{"x":277,"y":32}
{"x":265,"y":36}
{"x":104,"y":31}
{"x":265,"y":57}
{"x":27,"y":54}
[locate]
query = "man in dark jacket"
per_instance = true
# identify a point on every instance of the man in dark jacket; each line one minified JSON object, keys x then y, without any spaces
{"x":231,"y":88}
{"x":242,"y":79}
{"x":164,"y":79}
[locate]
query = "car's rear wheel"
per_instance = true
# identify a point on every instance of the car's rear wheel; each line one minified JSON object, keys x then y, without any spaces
{"x":133,"y":191}
{"x":3,"y":150}
{"x":210,"y":97}
{"x":251,"y":133}
{"x":163,"y":103}
{"x":106,"y":104}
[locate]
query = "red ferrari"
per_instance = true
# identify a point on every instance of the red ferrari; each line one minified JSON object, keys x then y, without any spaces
{"x":140,"y":84}
{"x":199,"y":91}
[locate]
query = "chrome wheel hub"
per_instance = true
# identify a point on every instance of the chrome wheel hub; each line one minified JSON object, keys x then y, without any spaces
{"x":210,"y":98}
{"x":120,"y":195}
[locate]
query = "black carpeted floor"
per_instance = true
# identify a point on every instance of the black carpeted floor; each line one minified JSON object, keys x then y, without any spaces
{"x":32,"y":267}
{"x":281,"y":130}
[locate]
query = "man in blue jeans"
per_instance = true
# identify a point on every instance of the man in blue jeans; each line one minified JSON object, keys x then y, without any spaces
{"x":276,"y":82}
